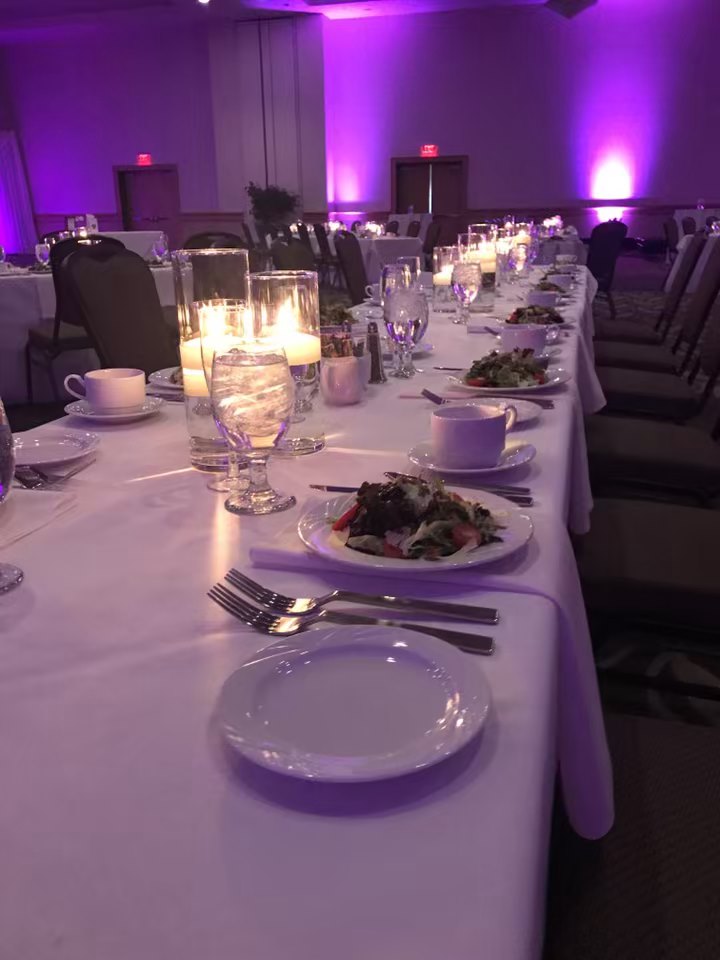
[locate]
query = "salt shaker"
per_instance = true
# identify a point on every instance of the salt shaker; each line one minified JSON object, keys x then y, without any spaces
{"x":377,"y":371}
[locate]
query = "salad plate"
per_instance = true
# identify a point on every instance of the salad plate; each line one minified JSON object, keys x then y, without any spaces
{"x":515,"y":454}
{"x":164,"y":378}
{"x":315,"y":528}
{"x":555,"y":377}
{"x":527,"y":411}
{"x":353,"y":704}
{"x":50,"y":449}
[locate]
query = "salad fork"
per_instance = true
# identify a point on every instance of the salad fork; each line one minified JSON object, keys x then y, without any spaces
{"x":302,"y":606}
{"x":266,"y":622}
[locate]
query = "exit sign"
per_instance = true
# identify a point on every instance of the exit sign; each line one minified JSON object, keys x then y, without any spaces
{"x":144,"y":160}
{"x":429,"y":150}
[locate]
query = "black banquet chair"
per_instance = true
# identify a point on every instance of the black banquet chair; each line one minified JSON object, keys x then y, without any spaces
{"x":392,"y":226}
{"x":328,"y":261}
{"x":606,"y":242}
{"x":413,"y":229}
{"x":121,"y":310}
{"x":688,"y":225}
{"x":210,"y":241}
{"x":672,"y":235}
{"x":352,"y":265}
{"x":66,"y":332}
{"x":292,"y":256}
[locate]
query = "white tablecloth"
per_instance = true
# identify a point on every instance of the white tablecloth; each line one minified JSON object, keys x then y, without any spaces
{"x":129,"y":831}
{"x":27,"y":301}
{"x":383,"y":250}
{"x":139,"y":241}
{"x":549,"y":249}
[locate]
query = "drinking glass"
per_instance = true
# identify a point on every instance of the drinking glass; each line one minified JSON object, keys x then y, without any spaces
{"x":394,"y":276}
{"x":10,"y":575}
{"x":406,"y":320}
{"x":160,"y":248}
{"x":485,"y":232}
{"x":252,"y":396}
{"x":42,"y":254}
{"x":2,"y":254}
{"x":466,"y":283}
{"x":222,"y":323}
{"x":413,"y":265}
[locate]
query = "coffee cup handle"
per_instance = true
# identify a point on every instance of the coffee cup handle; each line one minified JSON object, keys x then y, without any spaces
{"x":510,"y":417}
{"x":74,"y":393}
{"x":369,"y":290}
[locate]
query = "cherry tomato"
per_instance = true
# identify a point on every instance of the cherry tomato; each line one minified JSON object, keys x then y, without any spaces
{"x":347,"y":518}
{"x":390,"y":550}
{"x":464,"y":533}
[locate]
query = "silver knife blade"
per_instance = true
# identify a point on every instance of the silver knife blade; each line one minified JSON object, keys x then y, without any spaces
{"x":469,"y":642}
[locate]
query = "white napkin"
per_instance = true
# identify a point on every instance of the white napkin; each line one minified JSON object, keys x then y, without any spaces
{"x":546,"y":567}
{"x":29,"y":510}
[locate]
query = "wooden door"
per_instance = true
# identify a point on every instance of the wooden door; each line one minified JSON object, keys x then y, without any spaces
{"x":430,"y":185}
{"x":149,"y":199}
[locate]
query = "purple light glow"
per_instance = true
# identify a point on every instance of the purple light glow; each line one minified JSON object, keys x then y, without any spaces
{"x":612,"y":178}
{"x":604,"y":214}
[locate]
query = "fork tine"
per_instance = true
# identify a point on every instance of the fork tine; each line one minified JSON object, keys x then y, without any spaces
{"x":221,"y":602}
{"x":251,"y":614}
{"x":264,"y":595}
{"x":249,"y":588}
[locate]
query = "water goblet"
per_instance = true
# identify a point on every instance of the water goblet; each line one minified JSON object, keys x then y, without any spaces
{"x":42,"y":254}
{"x":252,"y":397}
{"x":160,"y":248}
{"x":466,"y":283}
{"x":413,"y":266}
{"x":406,"y":320}
{"x":393,"y":277}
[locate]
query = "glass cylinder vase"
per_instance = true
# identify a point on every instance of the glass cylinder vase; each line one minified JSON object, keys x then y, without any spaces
{"x":218,"y":276}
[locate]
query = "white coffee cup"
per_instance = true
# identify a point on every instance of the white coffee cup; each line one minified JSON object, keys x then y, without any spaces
{"x":467,"y":435}
{"x":523,"y":336}
{"x":564,"y":280}
{"x":372,"y":290}
{"x":118,"y":388}
{"x":542,"y":298}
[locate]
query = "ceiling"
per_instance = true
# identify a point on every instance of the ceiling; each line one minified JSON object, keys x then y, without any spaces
{"x":45,"y":13}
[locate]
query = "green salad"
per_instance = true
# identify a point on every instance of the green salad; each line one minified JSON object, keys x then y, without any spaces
{"x":541,"y":315}
{"x":516,"y":369}
{"x":412,"y":519}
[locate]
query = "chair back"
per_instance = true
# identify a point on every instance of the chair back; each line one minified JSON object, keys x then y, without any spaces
{"x":606,"y":242}
{"x":689,"y":225}
{"x":66,"y":310}
{"x":672,"y":234}
{"x":323,"y":242}
{"x":292,"y":256}
{"x":215,"y":241}
{"x":356,"y":224}
{"x":392,"y":226}
{"x":413,"y":229}
{"x":120,"y":308}
{"x":304,"y":237}
{"x":700,"y":304}
{"x":685,"y":268}
{"x":247,"y":234}
{"x":432,"y":235}
{"x":352,"y":264}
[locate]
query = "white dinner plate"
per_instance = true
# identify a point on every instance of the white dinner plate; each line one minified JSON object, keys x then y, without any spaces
{"x":82,"y":409}
{"x":49,"y":449}
{"x":353,"y":704}
{"x":516,"y":453}
{"x":556,"y":376}
{"x":163,"y":378}
{"x":315,"y":530}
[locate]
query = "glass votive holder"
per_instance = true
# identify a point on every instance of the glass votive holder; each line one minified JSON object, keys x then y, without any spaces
{"x":444,"y":259}
{"x":204,"y":277}
{"x":286,"y":308}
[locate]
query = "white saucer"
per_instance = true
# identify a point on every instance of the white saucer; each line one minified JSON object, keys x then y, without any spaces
{"x":353,"y":704}
{"x":516,"y":453}
{"x":163,"y":378}
{"x":47,"y":450}
{"x":82,"y":409}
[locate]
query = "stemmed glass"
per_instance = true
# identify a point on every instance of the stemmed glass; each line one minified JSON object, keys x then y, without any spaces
{"x":413,"y":266}
{"x":394,"y":276}
{"x":222,"y":323}
{"x":466,"y":283}
{"x":42,"y":254}
{"x":252,"y":396}
{"x":10,"y":575}
{"x":160,"y":248}
{"x":406,"y":320}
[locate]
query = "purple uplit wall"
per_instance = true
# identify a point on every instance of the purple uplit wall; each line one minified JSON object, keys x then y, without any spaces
{"x":614,"y":105}
{"x":84,"y":102}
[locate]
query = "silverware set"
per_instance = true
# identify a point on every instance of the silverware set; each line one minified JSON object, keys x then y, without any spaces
{"x":436,"y":398}
{"x":33,"y":478}
{"x":280,"y":615}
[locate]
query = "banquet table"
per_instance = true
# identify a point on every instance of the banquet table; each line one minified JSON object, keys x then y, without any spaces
{"x":131,"y":830}
{"x":139,"y":241}
{"x":380,"y":251}
{"x":27,"y":302}
{"x":699,"y":216}
{"x":553,"y":246}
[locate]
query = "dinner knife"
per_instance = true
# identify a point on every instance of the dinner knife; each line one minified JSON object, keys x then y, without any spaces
{"x":468,"y":642}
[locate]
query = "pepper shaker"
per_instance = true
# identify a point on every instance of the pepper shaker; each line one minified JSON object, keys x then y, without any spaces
{"x":377,"y":371}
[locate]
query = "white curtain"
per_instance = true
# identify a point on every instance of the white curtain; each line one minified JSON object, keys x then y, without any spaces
{"x":17,"y":226}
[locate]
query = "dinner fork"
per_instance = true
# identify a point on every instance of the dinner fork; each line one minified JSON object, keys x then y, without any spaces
{"x":49,"y":479}
{"x":301,"y":606}
{"x":266,"y":622}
